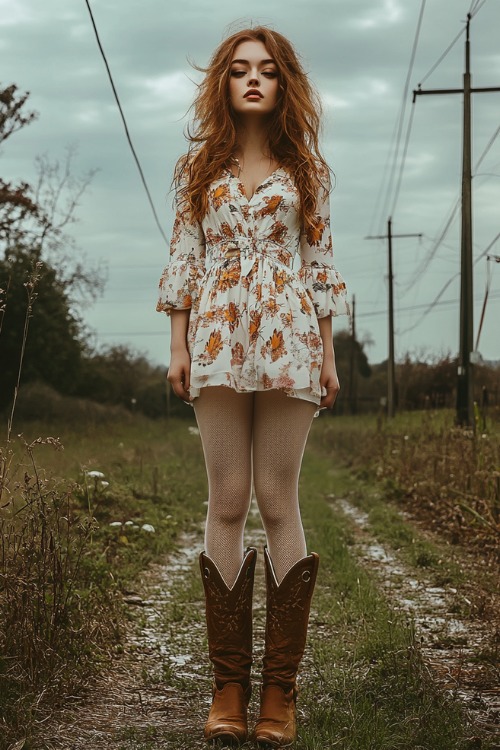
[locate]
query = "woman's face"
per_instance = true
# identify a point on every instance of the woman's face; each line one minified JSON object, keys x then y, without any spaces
{"x":253,"y":70}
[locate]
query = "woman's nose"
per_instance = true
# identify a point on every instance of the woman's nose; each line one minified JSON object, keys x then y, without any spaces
{"x":253,"y":80}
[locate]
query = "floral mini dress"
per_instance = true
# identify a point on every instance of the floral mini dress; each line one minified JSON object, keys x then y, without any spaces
{"x":256,"y":285}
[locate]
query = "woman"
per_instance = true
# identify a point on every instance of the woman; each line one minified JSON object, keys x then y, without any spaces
{"x":252,"y":350}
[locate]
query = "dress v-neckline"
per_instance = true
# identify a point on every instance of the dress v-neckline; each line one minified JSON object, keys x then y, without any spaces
{"x":243,"y":191}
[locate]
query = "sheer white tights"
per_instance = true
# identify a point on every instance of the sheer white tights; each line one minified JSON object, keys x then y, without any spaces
{"x":272,"y":427}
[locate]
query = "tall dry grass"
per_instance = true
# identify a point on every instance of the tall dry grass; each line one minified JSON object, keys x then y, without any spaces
{"x":449,"y":474}
{"x":55,"y":623}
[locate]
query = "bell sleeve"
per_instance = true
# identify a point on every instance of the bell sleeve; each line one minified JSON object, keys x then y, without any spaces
{"x":323,"y":283}
{"x":180,"y":281}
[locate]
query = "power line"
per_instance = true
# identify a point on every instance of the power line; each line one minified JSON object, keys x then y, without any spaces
{"x":425,"y":263}
{"x":435,"y":302}
{"x":441,"y":58}
{"x":414,"y":308}
{"x":401,"y":116}
{"x":489,"y":274}
{"x":403,"y":162}
{"x":487,"y":147}
{"x":448,"y":49}
{"x":477,"y":8}
{"x":129,"y":139}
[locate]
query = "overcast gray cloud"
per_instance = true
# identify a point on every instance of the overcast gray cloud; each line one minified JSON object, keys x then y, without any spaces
{"x":356,"y":51}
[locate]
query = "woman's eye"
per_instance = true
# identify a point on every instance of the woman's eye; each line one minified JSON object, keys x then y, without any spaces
{"x":237,"y":73}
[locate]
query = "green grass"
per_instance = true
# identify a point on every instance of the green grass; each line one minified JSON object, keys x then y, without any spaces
{"x":364,"y":685}
{"x":368,"y":687}
{"x":155,"y":477}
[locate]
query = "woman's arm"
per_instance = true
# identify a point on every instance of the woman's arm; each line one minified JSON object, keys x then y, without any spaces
{"x":328,"y":377}
{"x":180,"y":362}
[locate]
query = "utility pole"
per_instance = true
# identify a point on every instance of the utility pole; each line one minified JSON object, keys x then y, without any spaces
{"x":465,"y":392}
{"x":391,"y":375}
{"x":496,"y":259}
{"x":352,"y":361}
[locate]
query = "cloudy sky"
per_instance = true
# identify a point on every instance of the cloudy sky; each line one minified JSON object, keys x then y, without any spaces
{"x":358,"y":54}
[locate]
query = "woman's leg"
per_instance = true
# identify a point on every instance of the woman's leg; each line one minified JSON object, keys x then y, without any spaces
{"x":281,"y":427}
{"x":225,"y":421}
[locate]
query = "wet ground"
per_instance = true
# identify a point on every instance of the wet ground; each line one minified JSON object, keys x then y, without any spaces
{"x":157,"y":694}
{"x":460,"y":651}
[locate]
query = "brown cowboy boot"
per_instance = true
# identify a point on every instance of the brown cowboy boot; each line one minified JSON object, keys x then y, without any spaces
{"x":288,"y":606}
{"x":229,"y":629}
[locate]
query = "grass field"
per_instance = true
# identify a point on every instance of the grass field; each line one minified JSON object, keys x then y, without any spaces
{"x":65,"y":567}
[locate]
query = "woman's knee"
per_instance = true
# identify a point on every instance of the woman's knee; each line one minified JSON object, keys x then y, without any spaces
{"x":276,"y":508}
{"x":229,"y":505}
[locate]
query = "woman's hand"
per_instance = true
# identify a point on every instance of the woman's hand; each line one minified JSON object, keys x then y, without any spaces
{"x":329,"y":380}
{"x":179,"y":373}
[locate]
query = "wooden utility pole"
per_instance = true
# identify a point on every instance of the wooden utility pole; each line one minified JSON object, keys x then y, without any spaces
{"x":391,"y":374}
{"x":465,"y":392}
{"x":353,"y":362}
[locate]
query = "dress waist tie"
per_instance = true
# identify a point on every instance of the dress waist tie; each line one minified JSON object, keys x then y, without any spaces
{"x":246,"y":250}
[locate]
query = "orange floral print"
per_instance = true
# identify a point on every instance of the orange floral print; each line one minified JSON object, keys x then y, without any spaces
{"x":272,"y":205}
{"x":229,"y":277}
{"x":253,"y":322}
{"x":238,"y":354}
{"x":277,"y":345}
{"x":214,"y":345}
{"x":226,"y":230}
{"x":280,"y":279}
{"x":253,"y":330}
{"x":271,"y":306}
{"x":305,"y":305}
{"x":279,"y":232}
{"x":315,"y":233}
{"x":220,"y":196}
{"x":267,"y":382}
{"x":233,"y":316}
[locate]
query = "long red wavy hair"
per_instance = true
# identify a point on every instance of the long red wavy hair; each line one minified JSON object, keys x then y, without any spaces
{"x":293,"y":126}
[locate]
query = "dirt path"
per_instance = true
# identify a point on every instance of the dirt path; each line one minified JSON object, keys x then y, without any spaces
{"x":451,"y":644}
{"x":158,"y":693}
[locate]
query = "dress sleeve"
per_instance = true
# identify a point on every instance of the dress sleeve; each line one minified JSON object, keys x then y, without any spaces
{"x":180,"y":280}
{"x":323,"y":283}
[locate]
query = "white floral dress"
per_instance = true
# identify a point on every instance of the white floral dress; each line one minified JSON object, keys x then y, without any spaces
{"x":256,"y":285}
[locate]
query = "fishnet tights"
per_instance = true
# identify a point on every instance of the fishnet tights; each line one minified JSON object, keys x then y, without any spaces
{"x":272,"y":428}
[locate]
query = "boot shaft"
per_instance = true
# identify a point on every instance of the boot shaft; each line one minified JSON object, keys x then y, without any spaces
{"x":229,"y":619}
{"x":287,"y":618}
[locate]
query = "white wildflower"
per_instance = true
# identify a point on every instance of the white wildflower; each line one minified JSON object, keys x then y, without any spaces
{"x":95,"y":474}
{"x":116,"y":524}
{"x":129,"y":523}
{"x":147,"y":527}
{"x":104,"y":484}
{"x":193,"y":431}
